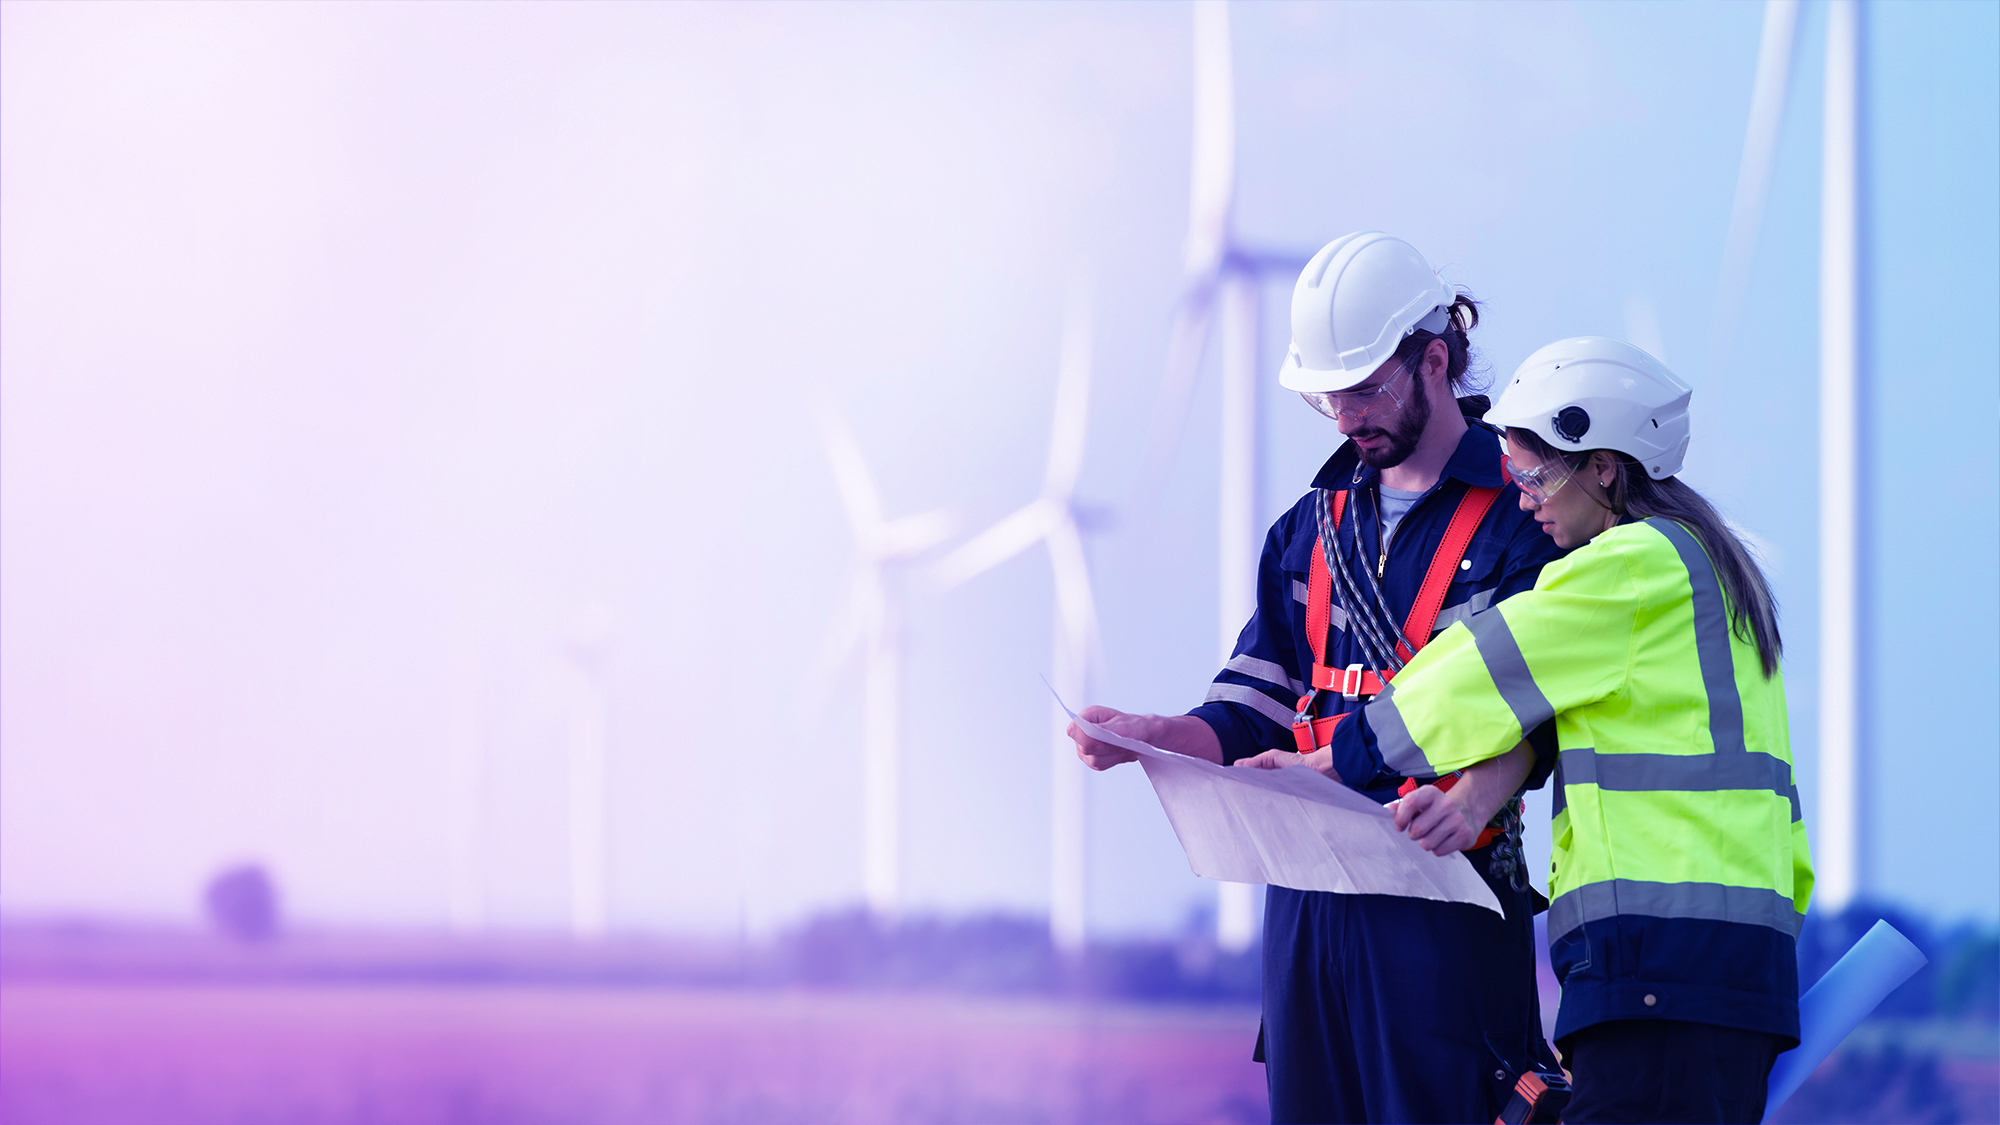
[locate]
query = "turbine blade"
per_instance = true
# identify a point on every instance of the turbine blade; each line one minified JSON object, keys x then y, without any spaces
{"x":1066,"y":436}
{"x":1214,"y":177}
{"x":1753,"y":177}
{"x":997,"y":544}
{"x":850,"y":475}
{"x":913,"y":535}
{"x":841,"y":644}
{"x":1184,"y":347}
{"x":1076,"y":607}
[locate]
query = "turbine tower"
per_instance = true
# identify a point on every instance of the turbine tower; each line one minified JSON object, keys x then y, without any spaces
{"x":465,"y":781}
{"x":589,"y":838}
{"x":1054,"y":519}
{"x":1842,"y":841}
{"x":1221,"y":273}
{"x":1840,"y":836}
{"x":872,"y":627}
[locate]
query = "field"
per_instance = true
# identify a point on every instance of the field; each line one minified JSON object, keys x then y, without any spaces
{"x":140,"y":1053}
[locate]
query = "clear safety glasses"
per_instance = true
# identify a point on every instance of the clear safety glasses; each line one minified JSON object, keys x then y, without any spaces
{"x":1541,"y":481}
{"x":1356,"y":406}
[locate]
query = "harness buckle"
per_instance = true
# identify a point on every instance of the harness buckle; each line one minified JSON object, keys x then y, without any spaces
{"x":1305,"y":711}
{"x":1350,"y":683}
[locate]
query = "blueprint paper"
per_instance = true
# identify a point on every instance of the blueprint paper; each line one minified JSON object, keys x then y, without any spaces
{"x":1293,"y":827}
{"x":1880,"y":962}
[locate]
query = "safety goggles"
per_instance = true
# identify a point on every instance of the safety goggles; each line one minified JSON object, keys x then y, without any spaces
{"x":1356,"y":406}
{"x":1540,"y":482}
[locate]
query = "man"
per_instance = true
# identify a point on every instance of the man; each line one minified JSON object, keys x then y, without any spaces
{"x":1380,"y":1008}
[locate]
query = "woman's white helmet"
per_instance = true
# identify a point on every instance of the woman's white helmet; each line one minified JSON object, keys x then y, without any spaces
{"x":1593,"y":392}
{"x":1357,"y":299}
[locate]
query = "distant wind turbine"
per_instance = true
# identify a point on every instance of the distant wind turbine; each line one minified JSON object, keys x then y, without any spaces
{"x":872,"y":627}
{"x":589,"y":838}
{"x":1054,"y":519}
{"x":1221,"y":271}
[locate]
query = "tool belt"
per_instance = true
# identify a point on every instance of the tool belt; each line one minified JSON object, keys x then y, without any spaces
{"x":1539,"y":1096}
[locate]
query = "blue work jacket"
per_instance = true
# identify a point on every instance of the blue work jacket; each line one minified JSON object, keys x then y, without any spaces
{"x":1253,"y":699}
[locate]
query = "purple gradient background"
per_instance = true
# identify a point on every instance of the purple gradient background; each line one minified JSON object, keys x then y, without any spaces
{"x":351,"y":355}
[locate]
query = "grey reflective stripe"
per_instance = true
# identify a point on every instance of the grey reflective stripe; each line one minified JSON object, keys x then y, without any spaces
{"x":1509,"y":670}
{"x":1711,"y":638}
{"x":1714,"y":902}
{"x":1256,"y":700}
{"x":1399,"y":751}
{"x":1681,"y":773}
{"x":1266,"y":671}
{"x":1303,"y":596}
{"x":1464,"y":610}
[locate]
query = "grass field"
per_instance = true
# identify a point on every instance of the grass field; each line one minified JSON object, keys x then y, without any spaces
{"x":75,"y":1053}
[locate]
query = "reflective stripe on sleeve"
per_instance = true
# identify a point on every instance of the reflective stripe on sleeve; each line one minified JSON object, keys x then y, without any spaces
{"x":1252,"y":698}
{"x":1714,"y":902}
{"x":1399,"y":751}
{"x":1464,"y":610}
{"x":1509,"y":670}
{"x":1711,"y":638}
{"x":1686,"y":773}
{"x":1268,"y":671}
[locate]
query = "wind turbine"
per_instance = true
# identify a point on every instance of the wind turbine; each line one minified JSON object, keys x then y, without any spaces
{"x":585,"y":639}
{"x":873,"y":627}
{"x":1054,"y":519}
{"x":1840,"y":838}
{"x":1221,"y":272}
{"x":465,"y":779}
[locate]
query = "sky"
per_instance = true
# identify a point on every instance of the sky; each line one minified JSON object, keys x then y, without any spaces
{"x":368,"y":370}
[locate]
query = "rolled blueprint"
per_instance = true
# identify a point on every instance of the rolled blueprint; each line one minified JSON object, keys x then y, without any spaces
{"x":1829,"y":1010}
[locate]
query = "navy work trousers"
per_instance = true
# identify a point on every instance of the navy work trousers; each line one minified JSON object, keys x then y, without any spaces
{"x":1669,"y":1070}
{"x":1381,"y":1008}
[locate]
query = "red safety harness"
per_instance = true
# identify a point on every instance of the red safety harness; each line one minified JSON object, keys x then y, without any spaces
{"x":1355,"y":682}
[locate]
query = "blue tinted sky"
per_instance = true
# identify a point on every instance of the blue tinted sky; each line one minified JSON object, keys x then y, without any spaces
{"x":350,"y":352}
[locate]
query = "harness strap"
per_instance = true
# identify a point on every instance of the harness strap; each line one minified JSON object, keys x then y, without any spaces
{"x":1354,"y":681}
{"x":1465,"y":521}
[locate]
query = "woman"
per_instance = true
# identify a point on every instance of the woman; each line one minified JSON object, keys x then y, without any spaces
{"x":1680,"y":872}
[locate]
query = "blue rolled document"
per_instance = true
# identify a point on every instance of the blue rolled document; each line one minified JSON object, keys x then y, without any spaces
{"x":1829,"y":1010}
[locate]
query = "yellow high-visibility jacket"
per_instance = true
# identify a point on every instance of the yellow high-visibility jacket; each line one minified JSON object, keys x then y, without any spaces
{"x":1680,"y":873}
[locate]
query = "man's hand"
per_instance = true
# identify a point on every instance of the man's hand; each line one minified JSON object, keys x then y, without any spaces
{"x":1102,"y":755}
{"x":1182,"y":734}
{"x":1438,"y":820}
{"x":1321,"y":760}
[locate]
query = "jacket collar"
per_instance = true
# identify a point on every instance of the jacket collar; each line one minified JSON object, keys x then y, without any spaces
{"x":1476,"y":461}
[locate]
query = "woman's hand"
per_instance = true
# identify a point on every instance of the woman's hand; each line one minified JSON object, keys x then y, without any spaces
{"x":1438,"y":820}
{"x":1321,"y":760}
{"x":1447,"y":821}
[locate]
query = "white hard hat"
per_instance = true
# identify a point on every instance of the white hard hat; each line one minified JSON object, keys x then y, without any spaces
{"x":1357,"y":299}
{"x":1593,"y":392}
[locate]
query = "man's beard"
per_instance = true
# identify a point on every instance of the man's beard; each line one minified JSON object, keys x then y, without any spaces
{"x":1409,"y":428}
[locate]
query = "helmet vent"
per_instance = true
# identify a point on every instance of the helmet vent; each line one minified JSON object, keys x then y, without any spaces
{"x":1571,"y":424}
